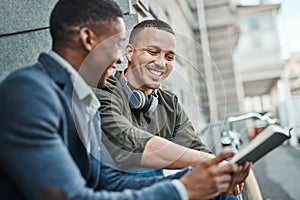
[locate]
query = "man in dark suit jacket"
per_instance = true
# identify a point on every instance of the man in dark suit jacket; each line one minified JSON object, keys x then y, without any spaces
{"x":50,"y":132}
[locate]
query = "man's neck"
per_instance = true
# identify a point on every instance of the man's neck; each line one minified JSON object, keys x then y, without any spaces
{"x":136,"y":85}
{"x":73,"y":58}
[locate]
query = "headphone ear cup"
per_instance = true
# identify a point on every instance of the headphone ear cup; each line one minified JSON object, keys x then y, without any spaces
{"x":153,"y":104}
{"x":137,"y":99}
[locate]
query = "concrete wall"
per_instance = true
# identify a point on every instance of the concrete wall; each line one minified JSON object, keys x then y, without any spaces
{"x":24,"y":33}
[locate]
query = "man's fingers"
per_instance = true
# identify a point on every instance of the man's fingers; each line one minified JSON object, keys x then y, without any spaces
{"x":214,"y":161}
{"x":223,"y":187}
{"x":224,"y":178}
{"x":219,"y":158}
{"x":228,"y":168}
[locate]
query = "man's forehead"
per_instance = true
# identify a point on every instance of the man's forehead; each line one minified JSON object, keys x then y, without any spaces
{"x":157,"y":38}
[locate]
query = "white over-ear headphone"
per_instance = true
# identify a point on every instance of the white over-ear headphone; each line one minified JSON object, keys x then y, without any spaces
{"x":138,"y":99}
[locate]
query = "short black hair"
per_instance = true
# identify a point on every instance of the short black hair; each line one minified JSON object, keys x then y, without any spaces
{"x":151,"y":23}
{"x":70,"y":15}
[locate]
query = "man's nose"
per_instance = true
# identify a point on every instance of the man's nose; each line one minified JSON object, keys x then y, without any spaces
{"x":160,"y":60}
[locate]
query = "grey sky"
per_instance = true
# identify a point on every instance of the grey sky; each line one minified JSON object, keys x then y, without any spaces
{"x":289,"y":25}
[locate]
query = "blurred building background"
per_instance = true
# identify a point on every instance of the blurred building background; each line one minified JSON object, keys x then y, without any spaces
{"x":258,"y":55}
{"x":228,"y":53}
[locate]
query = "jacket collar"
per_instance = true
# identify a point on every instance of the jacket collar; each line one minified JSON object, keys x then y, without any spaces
{"x":63,"y":79}
{"x":55,"y":70}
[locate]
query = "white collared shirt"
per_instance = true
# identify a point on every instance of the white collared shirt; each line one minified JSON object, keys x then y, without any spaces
{"x":83,"y":91}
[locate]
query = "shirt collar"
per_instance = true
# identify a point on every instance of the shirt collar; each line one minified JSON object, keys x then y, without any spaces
{"x":82,"y":89}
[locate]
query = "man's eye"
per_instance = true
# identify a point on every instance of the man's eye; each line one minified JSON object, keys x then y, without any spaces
{"x":170,"y":57}
{"x":152,"y":52}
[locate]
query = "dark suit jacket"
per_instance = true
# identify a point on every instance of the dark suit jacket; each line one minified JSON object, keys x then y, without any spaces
{"x":40,"y":147}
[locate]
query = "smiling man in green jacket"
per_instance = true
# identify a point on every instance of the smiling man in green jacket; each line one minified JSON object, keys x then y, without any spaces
{"x":145,"y":125}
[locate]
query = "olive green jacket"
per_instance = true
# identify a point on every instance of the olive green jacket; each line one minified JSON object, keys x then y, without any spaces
{"x":126,"y":131}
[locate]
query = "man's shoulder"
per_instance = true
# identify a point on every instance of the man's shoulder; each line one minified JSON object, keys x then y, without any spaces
{"x":167,"y":94}
{"x":33,"y":73}
{"x":110,"y":87}
{"x":29,"y":87}
{"x":28,"y":72}
{"x":46,"y":72}
{"x":111,"y":84}
{"x":28,"y":81}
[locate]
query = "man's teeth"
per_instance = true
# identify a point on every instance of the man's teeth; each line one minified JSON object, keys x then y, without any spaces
{"x":156,"y":72}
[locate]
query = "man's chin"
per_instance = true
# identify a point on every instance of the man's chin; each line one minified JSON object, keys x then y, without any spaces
{"x":153,"y":85}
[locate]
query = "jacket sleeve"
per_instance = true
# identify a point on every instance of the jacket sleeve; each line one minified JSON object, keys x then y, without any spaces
{"x":112,"y":179}
{"x":124,"y":141}
{"x":33,"y":155}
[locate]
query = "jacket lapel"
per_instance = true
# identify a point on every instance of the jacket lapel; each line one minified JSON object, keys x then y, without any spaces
{"x":69,"y":133}
{"x":57,"y":73}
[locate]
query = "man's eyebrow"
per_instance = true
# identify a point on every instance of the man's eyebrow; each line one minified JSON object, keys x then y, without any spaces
{"x":157,"y":47}
{"x":154,"y":46}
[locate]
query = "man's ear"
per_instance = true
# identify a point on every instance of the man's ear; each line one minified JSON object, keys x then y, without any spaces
{"x":88,"y":39}
{"x":129,"y":51}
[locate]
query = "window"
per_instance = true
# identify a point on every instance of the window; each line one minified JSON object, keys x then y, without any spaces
{"x":261,"y":22}
{"x":253,"y":23}
{"x":266,"y":22}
